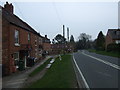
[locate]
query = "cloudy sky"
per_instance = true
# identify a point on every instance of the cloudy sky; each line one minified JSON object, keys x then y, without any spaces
{"x":80,"y":17}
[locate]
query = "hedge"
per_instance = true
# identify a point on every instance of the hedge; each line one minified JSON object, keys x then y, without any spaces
{"x":113,"y":47}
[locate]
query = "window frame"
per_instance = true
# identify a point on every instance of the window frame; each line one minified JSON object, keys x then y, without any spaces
{"x":16,"y":59}
{"x":16,"y":39}
{"x":29,"y":37}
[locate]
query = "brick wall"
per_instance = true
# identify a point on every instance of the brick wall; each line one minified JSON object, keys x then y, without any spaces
{"x":5,"y":45}
{"x":25,"y":47}
{"x":0,"y":35}
{"x":108,"y":40}
{"x":47,"y":47}
{"x":9,"y":47}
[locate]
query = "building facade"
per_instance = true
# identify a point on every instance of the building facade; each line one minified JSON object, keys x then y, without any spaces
{"x":19,"y":41}
{"x":62,"y":48}
{"x":46,"y":45}
{"x":113,"y":36}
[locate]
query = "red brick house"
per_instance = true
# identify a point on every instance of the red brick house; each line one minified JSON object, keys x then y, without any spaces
{"x":0,"y":35}
{"x":19,"y":40}
{"x":59,"y":48}
{"x":113,"y":36}
{"x":46,"y":45}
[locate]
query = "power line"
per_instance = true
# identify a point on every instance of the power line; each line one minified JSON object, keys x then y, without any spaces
{"x":20,"y":11}
{"x":57,"y":13}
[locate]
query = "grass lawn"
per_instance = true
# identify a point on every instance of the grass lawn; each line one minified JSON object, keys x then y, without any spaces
{"x":113,"y":54}
{"x":60,"y":75}
{"x":40,"y":68}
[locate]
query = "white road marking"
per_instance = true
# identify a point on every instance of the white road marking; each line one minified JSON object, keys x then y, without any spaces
{"x":103,"y":61}
{"x":86,"y":85}
{"x":104,"y":74}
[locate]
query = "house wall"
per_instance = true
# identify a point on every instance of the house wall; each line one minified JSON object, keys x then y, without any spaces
{"x":0,"y":35}
{"x":108,"y":40}
{"x":5,"y":44}
{"x":35,"y":44}
{"x":9,"y":47}
{"x":25,"y":47}
{"x":47,"y":47}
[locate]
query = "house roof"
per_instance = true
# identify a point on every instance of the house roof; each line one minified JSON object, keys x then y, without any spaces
{"x":15,"y":20}
{"x":46,"y":40}
{"x":114,"y":33}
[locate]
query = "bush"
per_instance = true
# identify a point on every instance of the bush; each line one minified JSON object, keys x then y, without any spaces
{"x":100,"y":48}
{"x":113,"y":47}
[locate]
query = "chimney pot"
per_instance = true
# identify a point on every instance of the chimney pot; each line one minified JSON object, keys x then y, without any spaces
{"x":46,"y":36}
{"x":8,"y":7}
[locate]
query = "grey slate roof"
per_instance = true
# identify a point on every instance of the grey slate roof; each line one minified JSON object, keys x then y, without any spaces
{"x":15,"y":20}
{"x":114,"y":33}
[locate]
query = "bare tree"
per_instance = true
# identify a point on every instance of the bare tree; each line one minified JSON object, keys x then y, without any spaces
{"x":84,"y":41}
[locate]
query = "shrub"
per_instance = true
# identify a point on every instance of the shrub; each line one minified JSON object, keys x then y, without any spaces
{"x":113,"y":47}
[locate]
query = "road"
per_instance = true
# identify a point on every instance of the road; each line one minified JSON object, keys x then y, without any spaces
{"x":97,"y":71}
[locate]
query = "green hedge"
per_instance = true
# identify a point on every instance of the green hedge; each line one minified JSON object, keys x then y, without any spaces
{"x":113,"y":47}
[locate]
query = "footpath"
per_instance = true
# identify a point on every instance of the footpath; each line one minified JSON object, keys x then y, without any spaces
{"x":17,"y":79}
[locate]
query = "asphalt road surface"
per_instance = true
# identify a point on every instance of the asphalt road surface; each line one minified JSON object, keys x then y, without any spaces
{"x":97,"y":71}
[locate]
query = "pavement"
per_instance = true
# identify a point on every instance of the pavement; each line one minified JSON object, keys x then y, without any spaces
{"x":17,"y":79}
{"x":96,"y":71}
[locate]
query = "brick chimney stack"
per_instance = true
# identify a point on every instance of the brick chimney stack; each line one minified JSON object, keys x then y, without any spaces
{"x":9,"y":7}
{"x":45,"y":36}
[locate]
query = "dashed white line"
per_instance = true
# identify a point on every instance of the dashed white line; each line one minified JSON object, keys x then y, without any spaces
{"x":103,"y":61}
{"x":86,"y":85}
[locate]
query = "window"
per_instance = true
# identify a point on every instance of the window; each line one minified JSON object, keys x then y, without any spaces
{"x":16,"y":58}
{"x":28,"y":37}
{"x":16,"y":37}
{"x":117,"y":41}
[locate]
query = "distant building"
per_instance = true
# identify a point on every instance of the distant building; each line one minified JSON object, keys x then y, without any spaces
{"x":19,"y":40}
{"x":113,"y":36}
{"x":60,"y":48}
{"x":46,"y":45}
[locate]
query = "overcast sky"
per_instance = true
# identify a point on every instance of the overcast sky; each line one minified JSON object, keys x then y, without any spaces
{"x":80,"y":17}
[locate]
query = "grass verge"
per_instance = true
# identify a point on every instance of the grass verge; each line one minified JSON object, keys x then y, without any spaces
{"x":113,"y":54}
{"x":60,"y":75}
{"x":40,"y":68}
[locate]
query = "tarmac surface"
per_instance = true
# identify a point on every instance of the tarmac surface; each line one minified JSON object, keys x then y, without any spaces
{"x":97,"y":71}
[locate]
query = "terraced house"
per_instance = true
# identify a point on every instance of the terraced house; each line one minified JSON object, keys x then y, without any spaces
{"x":113,"y":36}
{"x":19,"y":41}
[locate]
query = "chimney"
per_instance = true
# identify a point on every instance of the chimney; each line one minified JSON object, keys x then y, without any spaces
{"x":45,"y":36}
{"x":68,"y":34}
{"x":9,"y":7}
{"x":63,"y":31}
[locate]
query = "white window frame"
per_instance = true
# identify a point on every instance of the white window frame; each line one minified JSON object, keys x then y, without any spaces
{"x":16,"y":43}
{"x":28,"y":37}
{"x":16,"y":58}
